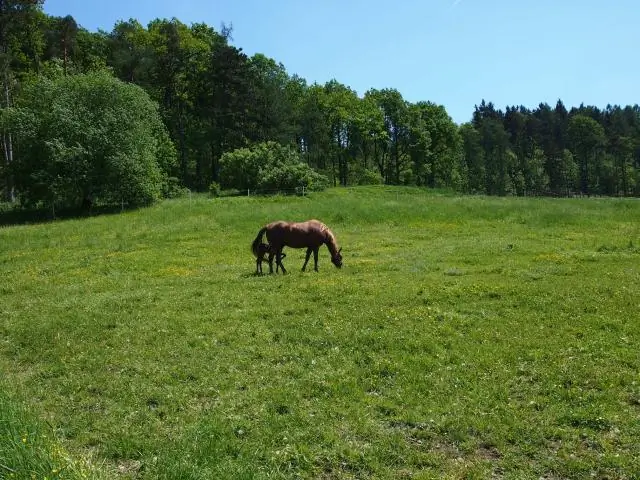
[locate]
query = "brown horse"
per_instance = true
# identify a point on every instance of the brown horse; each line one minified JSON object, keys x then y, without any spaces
{"x":260,"y":251}
{"x":311,"y":235}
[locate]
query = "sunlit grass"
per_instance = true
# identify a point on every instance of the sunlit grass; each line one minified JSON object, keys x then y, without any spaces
{"x":465,"y":336}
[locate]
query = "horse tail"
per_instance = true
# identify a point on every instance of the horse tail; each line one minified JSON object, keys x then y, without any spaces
{"x":256,"y":243}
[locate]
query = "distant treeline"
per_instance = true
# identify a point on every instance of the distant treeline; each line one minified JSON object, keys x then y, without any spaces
{"x":214,"y":99}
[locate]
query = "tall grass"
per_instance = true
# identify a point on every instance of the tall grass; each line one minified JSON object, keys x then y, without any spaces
{"x":465,"y":337}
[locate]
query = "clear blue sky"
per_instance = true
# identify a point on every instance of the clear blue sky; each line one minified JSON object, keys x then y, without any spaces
{"x":451,"y":52}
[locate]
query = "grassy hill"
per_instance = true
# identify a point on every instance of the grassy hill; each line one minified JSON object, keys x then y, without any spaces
{"x":464,"y":337}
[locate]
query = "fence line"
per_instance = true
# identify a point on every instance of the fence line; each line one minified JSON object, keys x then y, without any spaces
{"x":300,"y":191}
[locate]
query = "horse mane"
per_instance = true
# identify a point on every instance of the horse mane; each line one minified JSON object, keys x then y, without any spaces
{"x":330,"y":240}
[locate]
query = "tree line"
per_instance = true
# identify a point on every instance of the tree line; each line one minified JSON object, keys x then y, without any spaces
{"x":220,"y":107}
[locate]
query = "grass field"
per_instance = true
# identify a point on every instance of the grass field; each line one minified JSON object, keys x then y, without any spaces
{"x":465,"y":337}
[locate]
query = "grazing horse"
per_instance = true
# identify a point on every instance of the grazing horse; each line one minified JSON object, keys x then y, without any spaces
{"x":260,"y":250}
{"x":311,"y":235}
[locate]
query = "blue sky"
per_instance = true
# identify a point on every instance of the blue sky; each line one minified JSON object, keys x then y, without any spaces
{"x":451,"y":52}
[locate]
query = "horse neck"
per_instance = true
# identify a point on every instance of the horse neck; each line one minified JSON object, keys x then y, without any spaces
{"x":330,"y":241}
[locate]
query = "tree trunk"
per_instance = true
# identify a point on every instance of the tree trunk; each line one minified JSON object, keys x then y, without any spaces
{"x":396,"y":154}
{"x":214,"y":163}
{"x":184,"y":166}
{"x":64,"y":57}
{"x":8,"y":146}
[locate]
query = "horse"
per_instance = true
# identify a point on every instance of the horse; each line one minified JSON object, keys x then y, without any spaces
{"x":260,"y":251}
{"x":311,"y":235}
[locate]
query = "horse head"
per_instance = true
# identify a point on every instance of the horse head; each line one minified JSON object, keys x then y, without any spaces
{"x":337,"y":258}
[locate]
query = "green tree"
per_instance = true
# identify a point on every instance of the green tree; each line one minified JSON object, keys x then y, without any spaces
{"x":228,"y":102}
{"x":444,"y":156}
{"x":474,"y":158}
{"x":61,"y":37}
{"x":568,"y":173}
{"x":88,"y":136}
{"x":272,"y":111}
{"x":315,"y":128}
{"x":130,"y":53}
{"x":174,"y":48}
{"x":586,"y":137}
{"x":622,"y":128}
{"x":368,"y":133}
{"x":500,"y":161}
{"x":17,"y":20}
{"x":419,"y":149}
{"x":396,"y":119}
{"x":341,"y":104}
{"x":535,"y":178}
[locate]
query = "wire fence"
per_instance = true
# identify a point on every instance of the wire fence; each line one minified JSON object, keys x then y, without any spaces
{"x":298,"y":191}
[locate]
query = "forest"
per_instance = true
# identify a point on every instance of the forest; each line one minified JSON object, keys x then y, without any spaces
{"x":144,"y":112}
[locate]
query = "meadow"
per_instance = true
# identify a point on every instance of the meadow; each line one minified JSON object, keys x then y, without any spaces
{"x":465,"y":337}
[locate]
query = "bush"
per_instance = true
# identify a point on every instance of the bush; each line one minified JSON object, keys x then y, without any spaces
{"x":173,"y":188}
{"x":88,"y":135}
{"x":364,"y":176}
{"x":214,"y":189}
{"x":268,"y":167}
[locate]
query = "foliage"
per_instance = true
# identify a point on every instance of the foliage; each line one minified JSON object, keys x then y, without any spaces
{"x":214,"y":99}
{"x":364,"y":176}
{"x":585,"y":150}
{"x":214,"y":189}
{"x":173,"y":188}
{"x":88,"y":136}
{"x":268,"y":166}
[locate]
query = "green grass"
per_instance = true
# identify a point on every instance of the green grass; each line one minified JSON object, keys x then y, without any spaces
{"x":466,"y":337}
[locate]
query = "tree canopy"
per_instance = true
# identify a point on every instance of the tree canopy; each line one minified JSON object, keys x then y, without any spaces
{"x":213,"y":99}
{"x":88,"y":136}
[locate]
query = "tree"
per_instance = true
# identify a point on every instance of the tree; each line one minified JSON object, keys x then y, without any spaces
{"x":228,"y":102}
{"x":272,"y":111}
{"x":62,"y":40}
{"x":367,"y":134}
{"x":396,"y":119}
{"x":341,"y":104}
{"x":88,"y":136}
{"x":315,"y":128}
{"x":130,"y":53}
{"x":16,"y":23}
{"x":419,"y":148}
{"x":444,"y":156}
{"x":535,"y":178}
{"x":500,"y":161}
{"x":474,"y":158}
{"x":586,"y":137}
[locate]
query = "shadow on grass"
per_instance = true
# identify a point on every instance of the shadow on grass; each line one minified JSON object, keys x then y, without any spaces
{"x":13,"y":216}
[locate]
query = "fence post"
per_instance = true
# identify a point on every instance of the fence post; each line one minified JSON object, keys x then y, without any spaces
{"x":247,"y":192}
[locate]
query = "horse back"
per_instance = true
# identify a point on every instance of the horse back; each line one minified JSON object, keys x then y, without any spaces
{"x":309,"y":234}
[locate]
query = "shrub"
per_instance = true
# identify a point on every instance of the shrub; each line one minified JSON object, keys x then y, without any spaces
{"x":88,"y":135}
{"x":268,"y":167}
{"x":214,"y":189}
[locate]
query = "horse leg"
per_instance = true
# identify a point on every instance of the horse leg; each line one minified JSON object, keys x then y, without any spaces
{"x":282,"y":255}
{"x":315,"y":258}
{"x":271,"y":263}
{"x":279,"y":261}
{"x":258,"y":265}
{"x":306,"y":260}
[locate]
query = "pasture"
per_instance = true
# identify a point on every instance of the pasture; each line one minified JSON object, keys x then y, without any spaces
{"x":465,"y":337}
